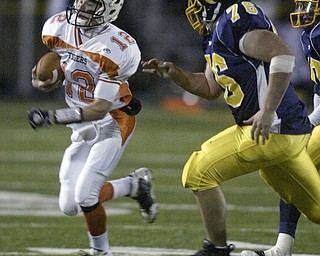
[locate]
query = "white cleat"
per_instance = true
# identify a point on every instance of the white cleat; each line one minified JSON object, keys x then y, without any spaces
{"x":142,"y":192}
{"x":94,"y":252}
{"x":274,"y":251}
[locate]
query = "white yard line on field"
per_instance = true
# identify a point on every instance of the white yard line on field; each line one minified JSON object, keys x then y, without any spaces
{"x":34,"y":204}
{"x":56,"y":156}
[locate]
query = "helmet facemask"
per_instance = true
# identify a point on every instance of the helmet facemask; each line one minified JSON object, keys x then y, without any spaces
{"x":203,"y":15}
{"x":93,"y":13}
{"x":306,"y":13}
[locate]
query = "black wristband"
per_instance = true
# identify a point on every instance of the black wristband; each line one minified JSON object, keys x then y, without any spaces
{"x":133,"y":108}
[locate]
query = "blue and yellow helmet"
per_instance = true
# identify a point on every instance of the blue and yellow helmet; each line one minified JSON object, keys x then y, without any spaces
{"x":306,"y":13}
{"x":202,"y":14}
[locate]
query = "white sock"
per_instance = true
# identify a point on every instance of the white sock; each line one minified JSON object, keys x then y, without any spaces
{"x":100,"y":243}
{"x":121,"y":187}
{"x":90,"y":240}
{"x":285,"y":242}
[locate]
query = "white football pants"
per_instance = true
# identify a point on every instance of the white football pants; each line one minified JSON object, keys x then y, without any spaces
{"x":87,"y":164}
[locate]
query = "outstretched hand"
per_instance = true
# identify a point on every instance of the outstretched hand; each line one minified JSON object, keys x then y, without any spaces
{"x":261,"y":123}
{"x":161,"y":68}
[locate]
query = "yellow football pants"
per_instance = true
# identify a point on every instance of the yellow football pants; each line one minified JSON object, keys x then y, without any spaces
{"x":313,"y":147}
{"x":283,"y":162}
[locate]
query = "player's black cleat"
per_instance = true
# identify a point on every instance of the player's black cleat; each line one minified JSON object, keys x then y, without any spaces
{"x":209,"y":249}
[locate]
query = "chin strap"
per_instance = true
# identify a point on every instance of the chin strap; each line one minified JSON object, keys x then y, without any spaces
{"x":209,"y":25}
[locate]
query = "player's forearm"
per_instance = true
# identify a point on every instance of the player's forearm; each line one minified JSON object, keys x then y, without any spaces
{"x":89,"y":114}
{"x":200,"y":84}
{"x":95,"y":110}
{"x":195,"y":83}
{"x":75,"y":115}
{"x":278,"y":84}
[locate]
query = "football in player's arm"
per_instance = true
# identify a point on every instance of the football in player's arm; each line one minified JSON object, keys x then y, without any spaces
{"x":97,"y":59}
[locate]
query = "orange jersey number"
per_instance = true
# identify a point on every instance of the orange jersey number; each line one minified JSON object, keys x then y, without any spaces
{"x":85,"y":92}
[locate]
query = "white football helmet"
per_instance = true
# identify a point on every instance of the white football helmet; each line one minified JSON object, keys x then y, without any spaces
{"x":93,"y":13}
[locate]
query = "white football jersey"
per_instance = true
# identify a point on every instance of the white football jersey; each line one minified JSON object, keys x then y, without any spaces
{"x":94,"y":67}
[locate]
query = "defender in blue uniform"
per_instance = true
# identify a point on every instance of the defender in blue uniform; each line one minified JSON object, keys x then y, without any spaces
{"x":244,"y":79}
{"x":306,"y":15}
{"x":251,"y":66}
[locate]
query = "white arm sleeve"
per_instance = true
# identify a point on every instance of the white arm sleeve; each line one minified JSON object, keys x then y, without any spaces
{"x":107,"y":90}
{"x":241,"y":43}
{"x":315,"y":115}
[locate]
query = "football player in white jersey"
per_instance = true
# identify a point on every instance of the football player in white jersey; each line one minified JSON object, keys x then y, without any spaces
{"x":97,"y":59}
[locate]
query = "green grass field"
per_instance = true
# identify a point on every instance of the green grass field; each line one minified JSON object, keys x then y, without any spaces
{"x":29,"y":215}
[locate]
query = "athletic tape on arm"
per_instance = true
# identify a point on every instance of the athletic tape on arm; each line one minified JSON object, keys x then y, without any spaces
{"x":68,"y":115}
{"x":241,"y":43}
{"x":282,"y":63}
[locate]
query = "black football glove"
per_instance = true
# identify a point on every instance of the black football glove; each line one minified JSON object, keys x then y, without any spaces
{"x":133,"y":108}
{"x":38,"y":118}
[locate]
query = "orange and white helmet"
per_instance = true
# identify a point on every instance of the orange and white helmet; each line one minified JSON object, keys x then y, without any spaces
{"x":93,"y":13}
{"x":306,"y":13}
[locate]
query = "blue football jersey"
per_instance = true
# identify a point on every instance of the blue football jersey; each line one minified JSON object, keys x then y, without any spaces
{"x":310,"y":40}
{"x":244,"y":79}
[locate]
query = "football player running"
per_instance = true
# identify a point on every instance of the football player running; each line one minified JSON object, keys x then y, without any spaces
{"x":307,"y":16}
{"x":251,"y":66}
{"x":97,"y":59}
